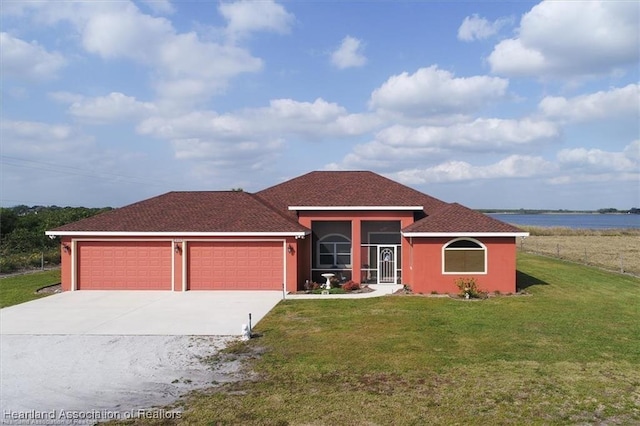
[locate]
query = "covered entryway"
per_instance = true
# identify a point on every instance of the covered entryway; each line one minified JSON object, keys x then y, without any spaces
{"x":123,"y":265}
{"x":234,"y":265}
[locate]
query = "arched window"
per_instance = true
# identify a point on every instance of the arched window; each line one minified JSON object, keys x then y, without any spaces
{"x":333,"y":251}
{"x":464,"y":256}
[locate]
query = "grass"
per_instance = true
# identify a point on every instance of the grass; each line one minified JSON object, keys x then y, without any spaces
{"x":22,"y":288}
{"x":612,"y":249}
{"x":566,"y":354}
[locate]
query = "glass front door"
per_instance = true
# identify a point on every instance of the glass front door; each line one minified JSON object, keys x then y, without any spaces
{"x":387,"y":264}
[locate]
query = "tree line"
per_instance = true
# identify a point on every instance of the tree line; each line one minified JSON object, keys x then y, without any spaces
{"x":23,"y":242}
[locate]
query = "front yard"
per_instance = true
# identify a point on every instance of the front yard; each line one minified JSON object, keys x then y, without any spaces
{"x":566,"y":354}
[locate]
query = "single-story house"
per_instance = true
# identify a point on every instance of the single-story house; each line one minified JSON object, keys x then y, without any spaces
{"x":356,"y":225}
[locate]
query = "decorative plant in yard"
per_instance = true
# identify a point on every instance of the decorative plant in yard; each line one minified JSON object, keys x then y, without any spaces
{"x":469,"y":288}
{"x":351,"y":286}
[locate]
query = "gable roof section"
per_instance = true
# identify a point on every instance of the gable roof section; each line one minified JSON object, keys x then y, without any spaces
{"x":347,"y":189}
{"x":458,"y":220}
{"x":189,"y":213}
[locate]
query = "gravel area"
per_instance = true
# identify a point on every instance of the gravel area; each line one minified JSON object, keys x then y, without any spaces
{"x":92,"y":376}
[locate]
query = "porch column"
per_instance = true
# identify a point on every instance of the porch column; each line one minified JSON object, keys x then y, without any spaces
{"x":356,"y":261}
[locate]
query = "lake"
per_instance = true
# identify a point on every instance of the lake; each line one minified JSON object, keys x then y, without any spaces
{"x":571,"y":220}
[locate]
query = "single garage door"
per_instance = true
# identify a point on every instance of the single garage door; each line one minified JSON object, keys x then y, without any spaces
{"x":235,"y":265}
{"x":124,"y":265}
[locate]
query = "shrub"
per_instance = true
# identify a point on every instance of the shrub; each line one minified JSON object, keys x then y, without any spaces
{"x":351,"y":286}
{"x":469,"y":286}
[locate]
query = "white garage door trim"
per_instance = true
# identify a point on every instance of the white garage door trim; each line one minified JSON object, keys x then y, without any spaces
{"x":74,"y":255}
{"x":185,"y":253}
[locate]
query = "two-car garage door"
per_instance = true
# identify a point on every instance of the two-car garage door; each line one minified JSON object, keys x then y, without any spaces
{"x":210,"y":265}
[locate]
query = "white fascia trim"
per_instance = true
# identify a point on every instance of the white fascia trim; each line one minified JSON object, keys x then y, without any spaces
{"x":465,"y":234}
{"x":355,"y":208}
{"x":176,"y":234}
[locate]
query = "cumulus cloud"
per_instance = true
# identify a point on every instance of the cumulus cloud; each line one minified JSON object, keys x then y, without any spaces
{"x":399,"y":145}
{"x":567,"y":38}
{"x":35,"y":137}
{"x":476,"y":28}
{"x":186,"y":68}
{"x":432,"y":91}
{"x":514,"y":166}
{"x":28,"y":60}
{"x":245,"y":17}
{"x":613,"y":103}
{"x":349,"y":54}
{"x":111,"y":108}
{"x":570,"y":166}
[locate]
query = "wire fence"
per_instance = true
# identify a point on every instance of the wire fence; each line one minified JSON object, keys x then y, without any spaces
{"x":19,"y":262}
{"x":614,"y":253}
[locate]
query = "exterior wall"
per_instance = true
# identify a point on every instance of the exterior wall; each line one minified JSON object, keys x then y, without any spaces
{"x":65,"y":263}
{"x":305,"y":218}
{"x":426,"y":275}
{"x":180,"y":261}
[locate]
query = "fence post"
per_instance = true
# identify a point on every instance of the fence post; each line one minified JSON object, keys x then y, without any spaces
{"x":42,"y":261}
{"x":558,"y":250}
{"x":621,"y":264}
{"x":586,"y":258}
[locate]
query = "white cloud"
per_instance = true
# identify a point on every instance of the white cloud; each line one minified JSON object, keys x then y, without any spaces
{"x":349,"y":54}
{"x":571,"y":38}
{"x":111,"y":108}
{"x":514,"y":166}
{"x":614,"y":103}
{"x":476,"y":28}
{"x":571,"y":166}
{"x":596,"y":161}
{"x":245,"y":17}
{"x":398,"y":145}
{"x":185,"y":68}
{"x":432,"y":91}
{"x":34,"y":137}
{"x":28,"y":60}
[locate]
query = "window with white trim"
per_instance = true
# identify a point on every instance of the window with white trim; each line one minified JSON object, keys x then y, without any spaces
{"x":333,"y":250}
{"x":464,"y":256}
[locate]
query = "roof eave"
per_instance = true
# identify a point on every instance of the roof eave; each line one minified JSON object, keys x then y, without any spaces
{"x":465,"y":234}
{"x":356,"y":208}
{"x":297,"y":234}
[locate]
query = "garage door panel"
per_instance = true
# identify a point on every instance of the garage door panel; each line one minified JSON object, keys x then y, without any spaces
{"x":235,"y":265}
{"x":124,"y":265}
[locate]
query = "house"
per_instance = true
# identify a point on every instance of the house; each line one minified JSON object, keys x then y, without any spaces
{"x":355,"y":224}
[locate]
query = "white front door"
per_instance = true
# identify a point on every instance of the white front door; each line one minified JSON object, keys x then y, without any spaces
{"x":386,"y":264}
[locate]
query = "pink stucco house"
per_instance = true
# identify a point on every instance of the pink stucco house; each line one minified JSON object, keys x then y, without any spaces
{"x":357,"y":225}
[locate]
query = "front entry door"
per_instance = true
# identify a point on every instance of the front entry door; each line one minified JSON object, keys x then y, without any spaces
{"x":386,"y":264}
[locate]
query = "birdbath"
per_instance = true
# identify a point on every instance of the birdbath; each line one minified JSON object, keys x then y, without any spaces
{"x":327,"y":285}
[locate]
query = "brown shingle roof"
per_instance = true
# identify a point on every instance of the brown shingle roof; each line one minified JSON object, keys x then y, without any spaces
{"x":456,"y":218}
{"x":348,"y":188}
{"x":213,"y":211}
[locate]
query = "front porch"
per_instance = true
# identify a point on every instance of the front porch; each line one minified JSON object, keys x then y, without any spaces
{"x":365,"y":251}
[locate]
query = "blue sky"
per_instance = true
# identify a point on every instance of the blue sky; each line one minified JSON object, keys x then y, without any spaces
{"x":490,"y":104}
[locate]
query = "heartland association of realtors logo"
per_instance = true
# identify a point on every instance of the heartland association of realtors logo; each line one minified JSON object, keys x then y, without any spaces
{"x":74,"y":417}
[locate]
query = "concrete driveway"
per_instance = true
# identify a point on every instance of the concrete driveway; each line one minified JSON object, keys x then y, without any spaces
{"x":167,"y":313}
{"x":117,"y":351}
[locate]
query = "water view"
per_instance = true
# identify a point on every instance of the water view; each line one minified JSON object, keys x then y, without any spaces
{"x":572,"y":220}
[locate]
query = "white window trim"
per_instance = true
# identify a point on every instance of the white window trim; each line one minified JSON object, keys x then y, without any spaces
{"x":482,"y":247}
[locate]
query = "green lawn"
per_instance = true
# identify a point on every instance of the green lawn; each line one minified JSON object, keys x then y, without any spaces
{"x":21,"y":288}
{"x":567,"y":354}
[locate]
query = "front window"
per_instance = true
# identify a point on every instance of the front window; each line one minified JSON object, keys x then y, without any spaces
{"x":464,"y":256}
{"x":334,"y":251}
